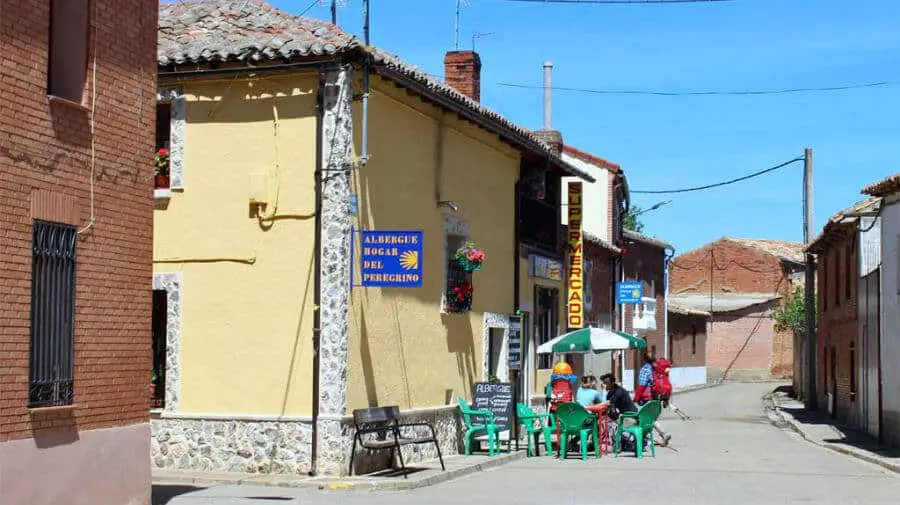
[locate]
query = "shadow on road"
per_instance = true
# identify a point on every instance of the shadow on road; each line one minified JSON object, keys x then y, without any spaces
{"x":163,"y":494}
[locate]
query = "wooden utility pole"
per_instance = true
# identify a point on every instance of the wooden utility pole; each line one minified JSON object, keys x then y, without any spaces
{"x":810,"y":288}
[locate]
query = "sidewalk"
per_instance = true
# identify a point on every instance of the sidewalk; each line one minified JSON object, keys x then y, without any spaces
{"x":422,"y":474}
{"x":818,"y":428}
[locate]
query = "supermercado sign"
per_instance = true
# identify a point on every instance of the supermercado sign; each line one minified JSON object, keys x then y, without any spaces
{"x":576,"y":259}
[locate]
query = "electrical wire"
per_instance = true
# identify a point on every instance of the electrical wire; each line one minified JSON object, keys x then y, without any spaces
{"x":718,"y":184}
{"x":745,"y":92}
{"x":619,"y":2}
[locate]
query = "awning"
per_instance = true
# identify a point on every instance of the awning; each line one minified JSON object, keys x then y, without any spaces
{"x":591,"y":340}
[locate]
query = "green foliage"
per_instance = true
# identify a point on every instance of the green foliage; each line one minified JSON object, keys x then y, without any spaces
{"x":631,"y":221}
{"x":792,"y":313}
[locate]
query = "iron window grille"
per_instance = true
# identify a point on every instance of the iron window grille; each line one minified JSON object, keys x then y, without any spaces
{"x":52,"y":356}
{"x":459,"y":288}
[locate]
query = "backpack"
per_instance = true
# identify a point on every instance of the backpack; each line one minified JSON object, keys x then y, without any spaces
{"x":661,"y":384}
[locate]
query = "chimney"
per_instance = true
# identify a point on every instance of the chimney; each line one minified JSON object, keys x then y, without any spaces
{"x":551,"y":137}
{"x":462,"y":70}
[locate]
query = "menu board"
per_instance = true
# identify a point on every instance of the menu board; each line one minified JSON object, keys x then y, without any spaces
{"x":515,"y":343}
{"x":497,"y":397}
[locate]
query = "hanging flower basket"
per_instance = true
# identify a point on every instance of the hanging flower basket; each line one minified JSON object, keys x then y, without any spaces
{"x":469,"y":257}
{"x":161,"y":170}
{"x":459,"y":299}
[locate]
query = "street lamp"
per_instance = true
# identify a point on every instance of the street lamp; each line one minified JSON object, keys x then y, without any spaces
{"x":653,"y":207}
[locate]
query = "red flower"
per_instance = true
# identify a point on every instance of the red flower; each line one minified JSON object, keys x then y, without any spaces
{"x":162,"y":151}
{"x":463,"y":291}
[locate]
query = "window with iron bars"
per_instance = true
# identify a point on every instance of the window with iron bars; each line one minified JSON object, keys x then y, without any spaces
{"x":51,"y":364}
{"x":458,"y":296}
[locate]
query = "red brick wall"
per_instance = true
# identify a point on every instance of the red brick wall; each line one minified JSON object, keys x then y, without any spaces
{"x":462,"y":70}
{"x":729,"y":267}
{"x":682,"y":352}
{"x":45,"y":171}
{"x":740,"y":343}
{"x":647,"y":263}
{"x":602,"y":279}
{"x":837,"y":324}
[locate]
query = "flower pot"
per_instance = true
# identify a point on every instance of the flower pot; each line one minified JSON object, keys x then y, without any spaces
{"x":160,"y":181}
{"x":469,"y":266}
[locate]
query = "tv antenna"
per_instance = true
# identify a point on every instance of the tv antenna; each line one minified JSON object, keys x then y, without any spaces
{"x":459,"y":5}
{"x":334,"y":7}
{"x":479,"y":35}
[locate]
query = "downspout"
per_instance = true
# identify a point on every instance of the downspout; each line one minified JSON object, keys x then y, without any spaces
{"x":364,"y":157}
{"x":317,"y":282}
{"x":668,"y":258}
{"x":516,"y":259}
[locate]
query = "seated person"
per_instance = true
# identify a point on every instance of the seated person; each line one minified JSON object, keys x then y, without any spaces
{"x":618,"y":400}
{"x":587,"y":394}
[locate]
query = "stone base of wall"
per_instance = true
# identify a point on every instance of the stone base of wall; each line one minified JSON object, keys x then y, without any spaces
{"x":230,"y":445}
{"x":284,"y":447}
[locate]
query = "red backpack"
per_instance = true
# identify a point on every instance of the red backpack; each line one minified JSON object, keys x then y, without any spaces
{"x":661,"y":384}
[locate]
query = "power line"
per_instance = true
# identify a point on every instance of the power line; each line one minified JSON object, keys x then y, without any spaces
{"x":704,"y":92}
{"x":620,"y":2}
{"x":719,"y":184}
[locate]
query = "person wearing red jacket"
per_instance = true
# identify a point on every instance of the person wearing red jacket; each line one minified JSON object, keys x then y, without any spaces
{"x":643,"y":393}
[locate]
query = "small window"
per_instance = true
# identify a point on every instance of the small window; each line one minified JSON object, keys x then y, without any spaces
{"x":67,"y":72}
{"x":51,"y":360}
{"x":652,"y":293}
{"x":163,"y":125}
{"x":693,"y":339}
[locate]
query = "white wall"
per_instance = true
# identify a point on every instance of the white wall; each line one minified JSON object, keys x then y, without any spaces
{"x":890,"y":321}
{"x":595,"y":196}
{"x":687,"y":376}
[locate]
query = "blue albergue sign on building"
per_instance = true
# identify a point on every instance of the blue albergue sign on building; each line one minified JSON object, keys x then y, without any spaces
{"x":629,"y":292}
{"x":392,"y":259}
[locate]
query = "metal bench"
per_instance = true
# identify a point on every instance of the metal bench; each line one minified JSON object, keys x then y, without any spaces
{"x":378,"y":428}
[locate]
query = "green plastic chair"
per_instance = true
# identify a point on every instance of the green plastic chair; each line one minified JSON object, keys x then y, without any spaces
{"x":478,"y":421}
{"x":576,"y":420}
{"x":646,"y":416}
{"x":534,"y":426}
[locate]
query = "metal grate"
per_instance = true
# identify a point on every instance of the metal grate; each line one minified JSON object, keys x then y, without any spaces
{"x":52,"y":315}
{"x":457,"y":277}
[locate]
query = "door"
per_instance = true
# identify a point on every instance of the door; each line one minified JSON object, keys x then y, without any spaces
{"x":525,"y":379}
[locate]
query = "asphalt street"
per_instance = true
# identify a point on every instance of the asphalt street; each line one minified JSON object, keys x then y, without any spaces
{"x":728,"y":453}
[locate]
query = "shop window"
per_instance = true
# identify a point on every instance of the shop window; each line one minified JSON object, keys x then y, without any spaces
{"x":52,"y":350}
{"x":67,"y":72}
{"x":159,"y":334}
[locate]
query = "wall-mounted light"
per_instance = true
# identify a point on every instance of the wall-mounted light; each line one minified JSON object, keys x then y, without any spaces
{"x":449,"y":204}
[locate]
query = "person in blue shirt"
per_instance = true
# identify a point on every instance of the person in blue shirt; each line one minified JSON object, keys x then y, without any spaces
{"x":587,"y":394}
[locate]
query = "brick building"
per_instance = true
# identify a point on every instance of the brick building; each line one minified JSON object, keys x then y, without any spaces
{"x":76,"y":161}
{"x":644,"y":259}
{"x":687,"y":345}
{"x":848,"y":338}
{"x":740,"y":282}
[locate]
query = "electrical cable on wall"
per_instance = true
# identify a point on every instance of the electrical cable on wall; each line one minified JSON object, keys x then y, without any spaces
{"x":94,"y":94}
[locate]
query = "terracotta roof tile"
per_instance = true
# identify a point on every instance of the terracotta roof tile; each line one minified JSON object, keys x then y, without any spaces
{"x":199,"y":32}
{"x":884,"y":187}
{"x":592,"y":159}
{"x":790,"y":251}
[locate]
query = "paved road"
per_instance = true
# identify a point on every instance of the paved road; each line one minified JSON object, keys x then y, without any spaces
{"x":729,"y":453}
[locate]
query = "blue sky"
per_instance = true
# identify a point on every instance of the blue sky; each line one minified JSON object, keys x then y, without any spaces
{"x":666,"y":142}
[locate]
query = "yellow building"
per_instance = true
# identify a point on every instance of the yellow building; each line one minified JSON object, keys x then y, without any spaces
{"x":316,"y":200}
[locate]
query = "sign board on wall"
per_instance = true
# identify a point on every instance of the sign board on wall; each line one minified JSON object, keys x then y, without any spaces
{"x":544,"y":268}
{"x":497,"y":397}
{"x":576,"y":257}
{"x":392,"y":259}
{"x":515,"y":343}
{"x":629,"y":292}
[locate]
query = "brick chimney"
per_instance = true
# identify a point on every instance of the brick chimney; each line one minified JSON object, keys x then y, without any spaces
{"x":462,"y":70}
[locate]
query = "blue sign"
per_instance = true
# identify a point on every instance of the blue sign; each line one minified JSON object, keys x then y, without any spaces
{"x":392,"y":259}
{"x":629,"y":292}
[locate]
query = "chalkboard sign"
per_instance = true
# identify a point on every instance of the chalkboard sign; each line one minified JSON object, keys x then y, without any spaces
{"x":515,"y":342}
{"x":499,"y":399}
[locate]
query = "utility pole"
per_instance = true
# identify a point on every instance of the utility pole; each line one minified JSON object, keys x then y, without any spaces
{"x":334,"y":12}
{"x":810,"y":288}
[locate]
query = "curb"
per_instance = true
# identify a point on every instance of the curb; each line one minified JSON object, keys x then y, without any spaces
{"x":781,"y":420}
{"x":357,"y":484}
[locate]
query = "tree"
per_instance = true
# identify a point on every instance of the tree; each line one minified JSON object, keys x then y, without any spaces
{"x":792,"y":313}
{"x":631,"y":221}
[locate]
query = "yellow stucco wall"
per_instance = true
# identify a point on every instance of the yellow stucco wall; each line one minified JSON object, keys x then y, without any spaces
{"x":246,"y":328}
{"x":403,"y":350}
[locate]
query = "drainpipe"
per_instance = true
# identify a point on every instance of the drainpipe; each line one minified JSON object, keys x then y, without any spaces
{"x":364,"y":157}
{"x":317,"y":282}
{"x":668,"y":258}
